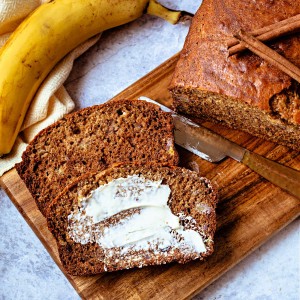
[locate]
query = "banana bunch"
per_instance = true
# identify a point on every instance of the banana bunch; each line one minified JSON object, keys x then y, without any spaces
{"x":44,"y":38}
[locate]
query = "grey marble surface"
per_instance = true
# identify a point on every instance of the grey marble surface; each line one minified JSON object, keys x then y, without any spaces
{"x":122,"y":56}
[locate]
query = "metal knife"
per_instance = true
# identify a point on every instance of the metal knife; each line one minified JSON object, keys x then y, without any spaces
{"x":213,"y":147}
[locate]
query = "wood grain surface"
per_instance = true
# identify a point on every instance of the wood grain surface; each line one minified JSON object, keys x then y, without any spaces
{"x":249,"y":212}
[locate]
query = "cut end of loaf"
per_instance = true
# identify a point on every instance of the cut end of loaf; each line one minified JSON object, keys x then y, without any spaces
{"x":237,"y":115}
{"x":191,"y":202}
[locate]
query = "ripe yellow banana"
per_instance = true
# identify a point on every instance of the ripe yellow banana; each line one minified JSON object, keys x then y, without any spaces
{"x":53,"y":30}
{"x":45,"y":37}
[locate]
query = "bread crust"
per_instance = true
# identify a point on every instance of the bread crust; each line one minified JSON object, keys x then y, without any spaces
{"x":204,"y":62}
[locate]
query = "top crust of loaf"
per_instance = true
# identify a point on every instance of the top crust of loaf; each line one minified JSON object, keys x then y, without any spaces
{"x":92,"y":139}
{"x":190,"y":194}
{"x":204,"y":64}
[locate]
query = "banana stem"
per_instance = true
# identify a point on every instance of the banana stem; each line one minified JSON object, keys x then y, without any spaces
{"x":173,"y":16}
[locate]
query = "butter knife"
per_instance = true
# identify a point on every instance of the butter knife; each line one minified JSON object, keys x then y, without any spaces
{"x":213,"y":147}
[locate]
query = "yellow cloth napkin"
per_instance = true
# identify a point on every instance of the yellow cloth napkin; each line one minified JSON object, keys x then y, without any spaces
{"x":52,"y":101}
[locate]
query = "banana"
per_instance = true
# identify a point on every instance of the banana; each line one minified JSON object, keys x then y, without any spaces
{"x":44,"y":38}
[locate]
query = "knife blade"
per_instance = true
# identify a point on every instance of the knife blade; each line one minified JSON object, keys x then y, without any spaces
{"x":214,"y":147}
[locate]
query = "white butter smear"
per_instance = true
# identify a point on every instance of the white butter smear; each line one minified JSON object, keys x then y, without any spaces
{"x":154,"y":226}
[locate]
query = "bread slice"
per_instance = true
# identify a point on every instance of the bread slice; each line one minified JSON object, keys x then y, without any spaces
{"x":123,"y":236}
{"x":242,"y":91}
{"x":91,"y":139}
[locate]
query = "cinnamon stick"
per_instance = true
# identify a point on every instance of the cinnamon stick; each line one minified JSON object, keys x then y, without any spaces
{"x":284,"y":27}
{"x":271,"y":56}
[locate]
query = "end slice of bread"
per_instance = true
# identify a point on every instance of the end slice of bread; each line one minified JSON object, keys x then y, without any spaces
{"x":90,"y":140}
{"x":133,"y":216}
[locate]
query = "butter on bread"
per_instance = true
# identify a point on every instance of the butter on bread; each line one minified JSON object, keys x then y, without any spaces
{"x":91,"y":139}
{"x":133,"y":216}
{"x":242,"y":91}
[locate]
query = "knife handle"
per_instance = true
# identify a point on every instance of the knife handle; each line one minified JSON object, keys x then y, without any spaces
{"x":286,"y":178}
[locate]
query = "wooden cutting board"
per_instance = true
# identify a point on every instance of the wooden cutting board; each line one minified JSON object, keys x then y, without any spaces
{"x":250,"y":211}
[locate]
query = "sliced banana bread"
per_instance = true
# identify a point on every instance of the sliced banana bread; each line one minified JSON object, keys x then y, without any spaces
{"x":242,"y":91}
{"x":133,"y":216}
{"x":92,"y":139}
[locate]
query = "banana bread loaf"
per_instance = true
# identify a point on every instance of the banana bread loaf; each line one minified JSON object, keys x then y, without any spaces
{"x":242,"y":91}
{"x":133,"y":216}
{"x":90,"y":140}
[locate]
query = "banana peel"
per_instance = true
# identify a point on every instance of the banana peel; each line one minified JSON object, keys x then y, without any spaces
{"x":44,"y":38}
{"x":172,"y":16}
